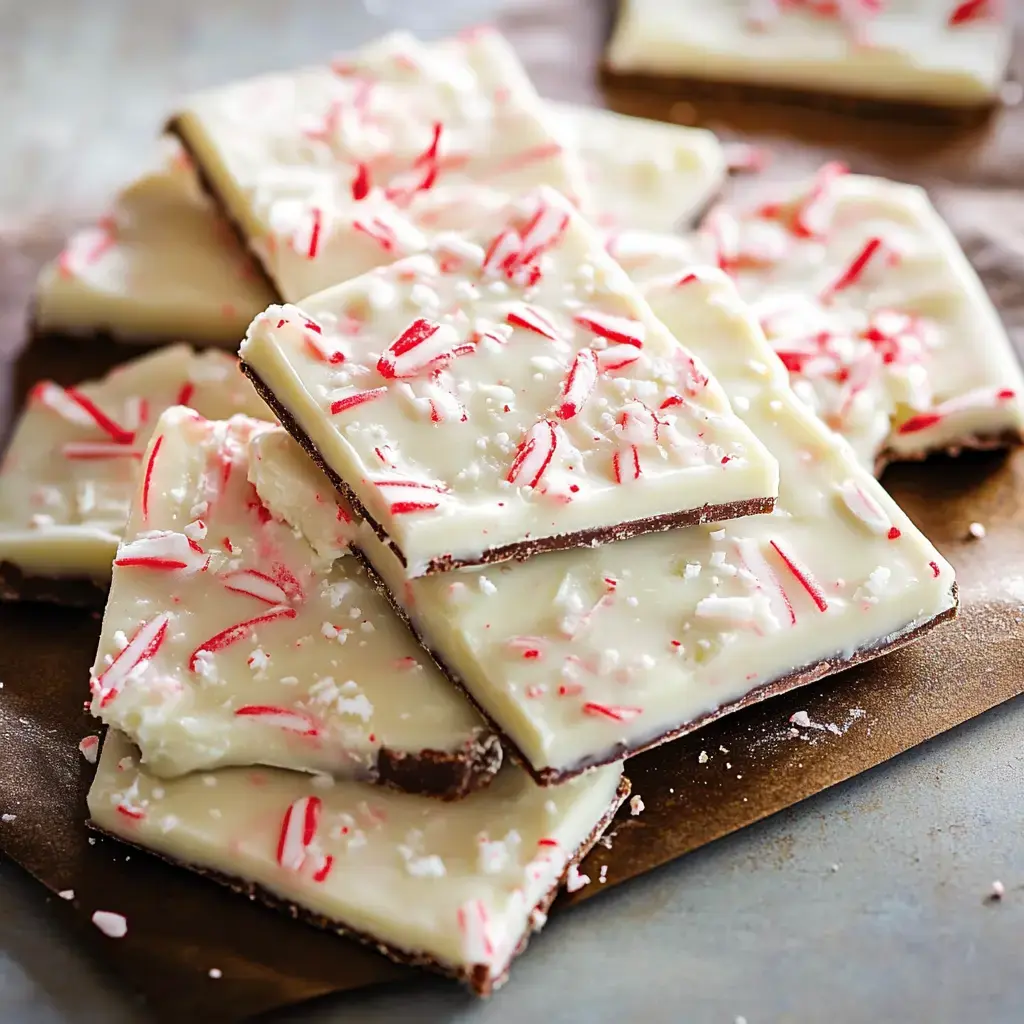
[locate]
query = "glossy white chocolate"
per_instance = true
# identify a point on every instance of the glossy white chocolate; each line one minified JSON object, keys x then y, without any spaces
{"x":332,"y":171}
{"x":547,"y":402}
{"x":453,"y":882}
{"x":67,"y":481}
{"x":884,"y":325}
{"x":580,"y":655}
{"x":908,"y":51}
{"x":643,"y":175}
{"x":162,"y":265}
{"x":263,"y":651}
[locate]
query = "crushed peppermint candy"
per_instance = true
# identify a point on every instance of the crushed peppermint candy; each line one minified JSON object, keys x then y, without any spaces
{"x":113,"y":925}
{"x":636,"y":805}
{"x":575,"y":879}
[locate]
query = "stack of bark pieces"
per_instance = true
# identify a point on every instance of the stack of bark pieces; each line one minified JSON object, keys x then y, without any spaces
{"x":539,"y":493}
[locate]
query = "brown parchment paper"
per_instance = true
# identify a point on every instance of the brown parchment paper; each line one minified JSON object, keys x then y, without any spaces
{"x":180,"y":925}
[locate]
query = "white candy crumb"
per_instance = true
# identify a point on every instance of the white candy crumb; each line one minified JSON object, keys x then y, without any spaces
{"x":800,"y":718}
{"x":67,"y":894}
{"x":603,"y":877}
{"x":724,"y":750}
{"x":114,"y":926}
{"x":702,"y":757}
{"x":998,"y":890}
{"x":215,"y":972}
{"x":835,"y":867}
{"x":977,"y":531}
{"x":574,"y":880}
{"x":89,"y":747}
{"x":8,"y":817}
{"x":636,"y":806}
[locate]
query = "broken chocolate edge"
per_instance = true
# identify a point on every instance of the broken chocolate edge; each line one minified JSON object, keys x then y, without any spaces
{"x":552,"y":776}
{"x":478,"y":978}
{"x":517,"y":551}
{"x":67,"y":591}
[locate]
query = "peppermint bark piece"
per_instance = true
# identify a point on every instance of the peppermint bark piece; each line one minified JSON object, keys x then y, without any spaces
{"x":938,"y":53}
{"x":881,"y":321}
{"x":583,"y":657}
{"x":643,"y":175}
{"x":329,"y":172}
{"x":509,"y":394}
{"x":457,"y":888}
{"x":72,"y":466}
{"x":161,"y":265}
{"x":231,"y":639}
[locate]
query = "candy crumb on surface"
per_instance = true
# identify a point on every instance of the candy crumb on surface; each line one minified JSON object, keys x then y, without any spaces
{"x":636,"y":805}
{"x":998,"y":890}
{"x":215,"y":972}
{"x":976,"y":530}
{"x":67,"y":894}
{"x":575,"y":879}
{"x":114,"y":926}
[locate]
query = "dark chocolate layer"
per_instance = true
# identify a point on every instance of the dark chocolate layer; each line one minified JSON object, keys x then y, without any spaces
{"x":519,"y":550}
{"x":554,"y":776}
{"x":478,"y":979}
{"x":71,"y":591}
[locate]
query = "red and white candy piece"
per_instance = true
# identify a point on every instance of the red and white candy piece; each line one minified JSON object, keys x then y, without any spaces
{"x":476,"y":930}
{"x":971,"y":401}
{"x":578,"y":385}
{"x":802,"y":574}
{"x":78,"y":408}
{"x":620,"y":330}
{"x":165,"y":551}
{"x":626,"y":465}
{"x":532,"y":319}
{"x":256,"y":584}
{"x":296,"y":842}
{"x":613,"y":712}
{"x":231,"y":635}
{"x":419,"y":347}
{"x":867,"y":510}
{"x":975,"y":10}
{"x":534,"y":454}
{"x":406,"y":496}
{"x":141,"y":647}
{"x":753,"y":560}
{"x":280,"y":718}
{"x":356,"y":399}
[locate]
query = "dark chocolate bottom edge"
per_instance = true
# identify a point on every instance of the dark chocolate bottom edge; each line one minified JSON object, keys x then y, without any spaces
{"x":553,"y":776}
{"x":686,"y":87}
{"x":69,"y":591}
{"x":519,"y":550}
{"x":477,"y":978}
{"x":1006,"y":439}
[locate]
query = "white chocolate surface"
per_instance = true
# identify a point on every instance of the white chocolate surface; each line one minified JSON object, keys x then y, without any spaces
{"x":868,"y":299}
{"x":160,"y":266}
{"x":164,"y":265}
{"x":578,"y":655}
{"x":67,"y":480}
{"x":907,"y":51}
{"x":645,"y":175}
{"x":547,"y":402}
{"x":331,"y":171}
{"x":454,"y":881}
{"x":228,"y":641}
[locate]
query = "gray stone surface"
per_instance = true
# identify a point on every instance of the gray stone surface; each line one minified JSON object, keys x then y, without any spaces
{"x":759,"y":925}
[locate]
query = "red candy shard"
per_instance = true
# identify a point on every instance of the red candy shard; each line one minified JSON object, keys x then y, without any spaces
{"x":420,"y":346}
{"x":532,"y":319}
{"x":358,"y":398}
{"x":579,"y":384}
{"x":147,"y":479}
{"x":803,"y":576}
{"x":534,"y":454}
{"x":231,"y":635}
{"x":855,"y":271}
{"x":283,"y":718}
{"x":617,"y":329}
{"x":298,"y":831}
{"x":973,"y":10}
{"x":616,"y":712}
{"x":142,"y":646}
{"x":167,"y":551}
{"x":361,"y":182}
{"x":626,"y":464}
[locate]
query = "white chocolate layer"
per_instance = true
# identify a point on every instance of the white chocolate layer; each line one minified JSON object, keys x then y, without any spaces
{"x":581,"y":655}
{"x":69,"y":474}
{"x":162,"y":265}
{"x":228,"y":641}
{"x":644,"y":175}
{"x":455,"y":882}
{"x":505,"y":404}
{"x":908,"y":51}
{"x":885,"y":328}
{"x":330,"y":172}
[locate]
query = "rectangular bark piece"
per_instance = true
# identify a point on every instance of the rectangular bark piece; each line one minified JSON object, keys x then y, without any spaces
{"x":423,"y":883}
{"x":231,"y":639}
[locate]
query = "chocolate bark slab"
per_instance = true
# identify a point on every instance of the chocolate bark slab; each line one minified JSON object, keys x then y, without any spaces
{"x":229,"y":639}
{"x":348,"y":865}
